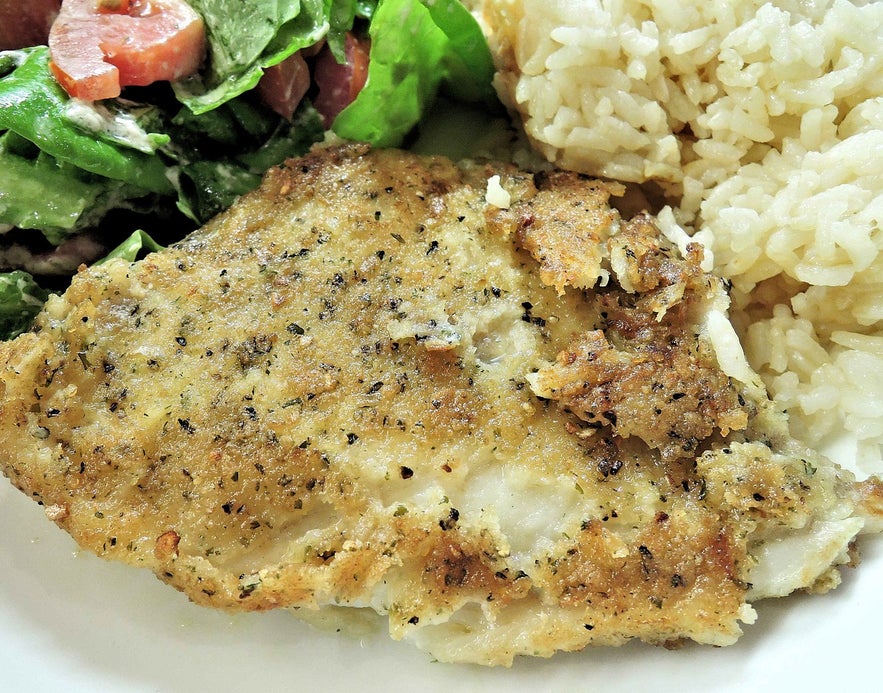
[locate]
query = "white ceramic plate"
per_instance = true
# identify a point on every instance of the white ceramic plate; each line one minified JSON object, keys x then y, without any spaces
{"x":71,"y":622}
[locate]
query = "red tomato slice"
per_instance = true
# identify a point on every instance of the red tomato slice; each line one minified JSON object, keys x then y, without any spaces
{"x":97,"y":49}
{"x":339,"y":84}
{"x":25,"y":24}
{"x":284,"y":85}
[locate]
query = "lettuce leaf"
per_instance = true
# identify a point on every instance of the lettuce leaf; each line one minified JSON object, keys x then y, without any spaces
{"x":236,"y":144}
{"x":243,"y":39}
{"x":58,"y":199}
{"x":442,"y":46}
{"x":34,"y":106}
{"x":20,"y":300}
{"x":134,"y":246}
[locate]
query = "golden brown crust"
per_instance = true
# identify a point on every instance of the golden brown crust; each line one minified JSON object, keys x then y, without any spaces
{"x":564,"y":225}
{"x":648,"y":373}
{"x":323,"y":398}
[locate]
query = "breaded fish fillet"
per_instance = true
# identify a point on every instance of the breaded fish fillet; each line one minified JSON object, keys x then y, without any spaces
{"x":509,"y":429}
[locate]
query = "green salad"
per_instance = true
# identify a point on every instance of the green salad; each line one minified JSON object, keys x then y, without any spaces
{"x":142,"y":169}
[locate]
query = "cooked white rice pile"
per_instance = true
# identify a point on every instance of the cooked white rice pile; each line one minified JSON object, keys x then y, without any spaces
{"x":763,"y":124}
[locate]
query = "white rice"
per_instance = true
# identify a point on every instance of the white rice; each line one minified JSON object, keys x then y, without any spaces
{"x":762,"y":122}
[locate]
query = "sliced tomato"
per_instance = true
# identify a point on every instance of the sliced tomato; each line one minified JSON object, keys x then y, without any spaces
{"x":340,"y":83}
{"x":283,"y":86}
{"x":98,"y":47}
{"x":25,"y":24}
